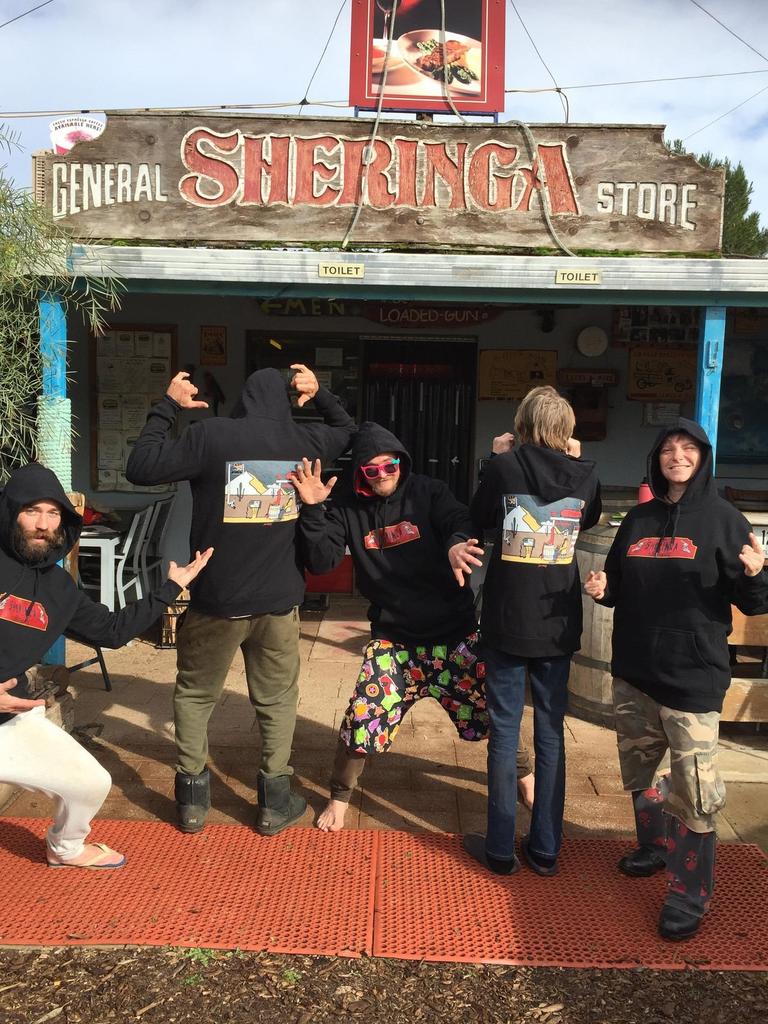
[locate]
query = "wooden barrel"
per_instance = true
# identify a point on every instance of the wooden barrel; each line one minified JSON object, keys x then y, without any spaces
{"x":590,"y":681}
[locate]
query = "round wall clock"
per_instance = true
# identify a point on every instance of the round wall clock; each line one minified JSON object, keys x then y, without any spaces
{"x":592,"y":341}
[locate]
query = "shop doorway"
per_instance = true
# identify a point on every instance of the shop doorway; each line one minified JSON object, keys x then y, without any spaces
{"x":423,"y":391}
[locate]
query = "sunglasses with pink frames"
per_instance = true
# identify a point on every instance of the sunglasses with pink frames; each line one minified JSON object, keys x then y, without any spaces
{"x":374,"y":471}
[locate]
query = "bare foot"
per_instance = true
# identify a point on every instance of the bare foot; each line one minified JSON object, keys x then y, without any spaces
{"x":331,"y":819}
{"x":525,"y":789}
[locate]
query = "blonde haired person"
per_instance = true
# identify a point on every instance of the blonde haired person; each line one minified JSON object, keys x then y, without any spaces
{"x":536,"y":497}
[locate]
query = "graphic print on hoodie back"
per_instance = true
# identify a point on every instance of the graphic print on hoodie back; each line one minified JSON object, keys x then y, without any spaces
{"x":536,"y":501}
{"x":540,"y":533}
{"x":242,"y":503}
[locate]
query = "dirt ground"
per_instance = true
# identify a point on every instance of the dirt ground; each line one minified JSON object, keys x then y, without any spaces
{"x":166,"y":986}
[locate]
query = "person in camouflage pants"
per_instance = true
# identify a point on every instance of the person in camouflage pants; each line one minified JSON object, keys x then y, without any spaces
{"x":691,"y":794}
{"x":677,"y":565}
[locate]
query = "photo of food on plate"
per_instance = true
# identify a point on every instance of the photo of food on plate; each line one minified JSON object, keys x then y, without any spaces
{"x":423,"y":60}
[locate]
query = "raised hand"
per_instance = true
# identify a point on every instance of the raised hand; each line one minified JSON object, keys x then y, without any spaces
{"x":752,"y":556}
{"x":184,"y":574}
{"x":305,"y":383}
{"x":573,"y":448}
{"x":462,"y":557}
{"x":13,"y":705}
{"x":309,"y":484}
{"x":503,"y":443}
{"x":595,"y":585}
{"x":183,"y":391}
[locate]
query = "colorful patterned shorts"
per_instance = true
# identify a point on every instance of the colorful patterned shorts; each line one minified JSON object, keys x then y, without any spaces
{"x":393,"y":677}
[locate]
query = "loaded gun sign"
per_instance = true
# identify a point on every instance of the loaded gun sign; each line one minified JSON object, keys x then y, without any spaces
{"x":229,"y":178}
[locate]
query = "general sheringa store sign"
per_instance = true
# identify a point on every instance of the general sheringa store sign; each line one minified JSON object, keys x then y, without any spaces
{"x":210,"y":179}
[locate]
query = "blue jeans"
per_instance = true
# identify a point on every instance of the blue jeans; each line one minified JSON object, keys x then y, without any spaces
{"x":505,"y":694}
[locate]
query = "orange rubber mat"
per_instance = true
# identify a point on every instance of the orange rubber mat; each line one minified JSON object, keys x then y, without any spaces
{"x":226,"y":888}
{"x":434,"y":902}
{"x":389,"y":894}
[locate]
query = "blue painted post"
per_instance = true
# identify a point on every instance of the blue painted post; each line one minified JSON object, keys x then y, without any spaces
{"x":710,"y":371}
{"x":53,"y":351}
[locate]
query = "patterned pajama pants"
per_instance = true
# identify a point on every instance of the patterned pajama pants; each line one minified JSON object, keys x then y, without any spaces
{"x":393,"y":677}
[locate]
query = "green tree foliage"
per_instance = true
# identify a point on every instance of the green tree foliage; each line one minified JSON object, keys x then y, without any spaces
{"x":742,"y":234}
{"x":34,"y":256}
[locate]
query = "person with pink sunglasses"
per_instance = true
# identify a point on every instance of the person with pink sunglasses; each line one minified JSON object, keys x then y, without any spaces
{"x":411,"y":542}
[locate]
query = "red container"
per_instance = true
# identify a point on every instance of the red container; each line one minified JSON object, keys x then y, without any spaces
{"x":339,"y":581}
{"x":644,"y":493}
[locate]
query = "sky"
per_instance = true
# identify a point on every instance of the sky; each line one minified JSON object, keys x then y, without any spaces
{"x":95,"y":55}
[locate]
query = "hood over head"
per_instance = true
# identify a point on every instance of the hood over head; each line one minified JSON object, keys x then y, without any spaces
{"x":551,"y":474}
{"x":265,"y":394}
{"x":371,"y":440}
{"x":702,"y":485}
{"x":25,"y":486}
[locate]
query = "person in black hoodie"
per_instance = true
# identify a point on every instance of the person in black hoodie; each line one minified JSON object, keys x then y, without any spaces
{"x":411,"y":544}
{"x":39,"y":601}
{"x":675,"y":567}
{"x":243,"y":505}
{"x":536,"y":498}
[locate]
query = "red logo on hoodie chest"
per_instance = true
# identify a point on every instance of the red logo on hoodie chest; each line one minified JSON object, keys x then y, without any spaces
{"x":662,"y":547}
{"x":391,"y":536}
{"x":22,"y":612}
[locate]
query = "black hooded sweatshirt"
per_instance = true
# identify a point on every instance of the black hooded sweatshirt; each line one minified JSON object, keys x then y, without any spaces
{"x":673,"y":573}
{"x":39,"y":603}
{"x":399,"y":546}
{"x":536,"y":501}
{"x":242,"y":503}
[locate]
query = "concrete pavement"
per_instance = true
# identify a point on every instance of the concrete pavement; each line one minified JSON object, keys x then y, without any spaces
{"x":430,"y":780}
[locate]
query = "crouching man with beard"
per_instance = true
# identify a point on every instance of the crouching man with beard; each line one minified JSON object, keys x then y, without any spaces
{"x":39,"y":602}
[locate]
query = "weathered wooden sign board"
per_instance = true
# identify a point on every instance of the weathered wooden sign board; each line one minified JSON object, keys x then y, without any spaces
{"x":203,"y":178}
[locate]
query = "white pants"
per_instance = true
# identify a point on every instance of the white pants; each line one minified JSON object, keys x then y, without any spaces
{"x":36,"y":754}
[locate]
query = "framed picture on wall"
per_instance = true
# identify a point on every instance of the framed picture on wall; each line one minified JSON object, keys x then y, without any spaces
{"x":213,"y":346}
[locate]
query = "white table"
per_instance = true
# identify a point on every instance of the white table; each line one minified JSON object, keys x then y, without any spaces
{"x":106,"y":543}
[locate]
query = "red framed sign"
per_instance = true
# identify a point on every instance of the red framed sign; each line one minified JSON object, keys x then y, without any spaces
{"x":424,"y":69}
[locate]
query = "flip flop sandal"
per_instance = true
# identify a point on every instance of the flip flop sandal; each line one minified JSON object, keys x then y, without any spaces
{"x":93,"y":855}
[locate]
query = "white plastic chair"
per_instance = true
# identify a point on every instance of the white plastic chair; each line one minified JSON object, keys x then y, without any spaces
{"x":127,"y":559}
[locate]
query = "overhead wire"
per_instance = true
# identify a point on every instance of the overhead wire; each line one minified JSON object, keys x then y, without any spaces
{"x":304,"y":102}
{"x":645,"y":81}
{"x":25,"y":13}
{"x":730,"y":31}
{"x":344,"y":104}
{"x":558,"y":90}
{"x":749,"y":46}
{"x":727,"y":112}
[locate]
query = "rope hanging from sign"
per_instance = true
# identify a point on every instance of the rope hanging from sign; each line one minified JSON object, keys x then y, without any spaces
{"x":369,"y":149}
{"x":543,"y":193}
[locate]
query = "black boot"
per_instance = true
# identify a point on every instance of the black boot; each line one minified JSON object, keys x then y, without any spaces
{"x":648,"y":858}
{"x":279,"y":806}
{"x":690,"y":880}
{"x":193,"y":800}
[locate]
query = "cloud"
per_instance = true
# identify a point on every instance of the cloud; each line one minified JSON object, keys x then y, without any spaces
{"x":150,"y":53}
